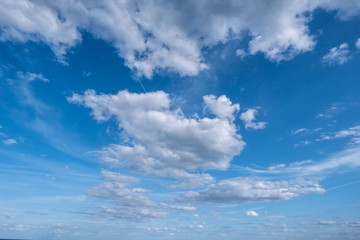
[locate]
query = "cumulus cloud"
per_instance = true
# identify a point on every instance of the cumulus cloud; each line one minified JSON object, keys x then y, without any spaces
{"x":10,"y":141}
{"x":38,"y":21}
{"x":128,"y":202}
{"x":247,"y":190}
{"x":251,"y":213}
{"x":152,"y":35}
{"x":357,"y":43}
{"x":337,"y":55}
{"x":249,"y":117}
{"x":222,"y":107}
{"x":163,"y":142}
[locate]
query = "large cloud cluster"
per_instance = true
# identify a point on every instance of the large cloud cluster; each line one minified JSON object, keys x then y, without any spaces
{"x":162,"y":141}
{"x":159,"y":34}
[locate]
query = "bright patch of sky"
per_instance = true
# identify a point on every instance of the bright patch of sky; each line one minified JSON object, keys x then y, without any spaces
{"x":179,"y":119}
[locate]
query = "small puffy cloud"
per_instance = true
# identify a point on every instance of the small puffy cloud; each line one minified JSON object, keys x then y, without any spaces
{"x":249,"y":118}
{"x":337,"y":55}
{"x":164,"y":142}
{"x":10,"y":216}
{"x":222,"y":107}
{"x":357,"y":43}
{"x":246,"y":190}
{"x":241,"y":53}
{"x":251,"y":213}
{"x":10,"y":141}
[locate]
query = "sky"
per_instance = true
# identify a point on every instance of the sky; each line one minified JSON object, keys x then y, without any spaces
{"x":179,"y":119}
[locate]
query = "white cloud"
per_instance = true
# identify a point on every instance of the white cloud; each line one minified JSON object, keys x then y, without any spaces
{"x":294,"y":132}
{"x":357,"y":43}
{"x":249,"y":117}
{"x":326,"y":222}
{"x":346,"y":159}
{"x":121,"y":179}
{"x":305,"y":142}
{"x":38,"y":21}
{"x":10,"y":141}
{"x":251,"y":213}
{"x":14,"y":227}
{"x":271,"y":168}
{"x":337,"y":55}
{"x":353,"y":132}
{"x":128,"y":203}
{"x":199,"y":226}
{"x":332,"y":110}
{"x":163,"y":142}
{"x":247,"y":190}
{"x":241,"y":53}
{"x":153,"y":35}
{"x":30,"y":77}
{"x":222,"y":107}
{"x":10,"y":216}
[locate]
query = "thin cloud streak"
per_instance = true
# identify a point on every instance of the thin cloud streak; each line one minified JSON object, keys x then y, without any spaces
{"x":346,"y":160}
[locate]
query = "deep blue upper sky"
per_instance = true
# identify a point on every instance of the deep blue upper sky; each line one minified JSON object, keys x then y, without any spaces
{"x":179,"y":120}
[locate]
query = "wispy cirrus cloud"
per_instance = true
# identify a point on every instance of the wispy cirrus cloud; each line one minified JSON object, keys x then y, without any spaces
{"x":352,"y":132}
{"x":297,"y":131}
{"x":43,"y":118}
{"x":347,"y":159}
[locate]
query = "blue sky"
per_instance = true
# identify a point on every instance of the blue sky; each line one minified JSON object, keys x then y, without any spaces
{"x":179,"y":119}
